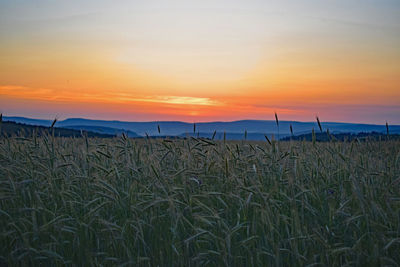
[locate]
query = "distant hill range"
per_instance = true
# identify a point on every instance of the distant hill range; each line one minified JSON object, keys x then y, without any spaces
{"x":10,"y":128}
{"x":103,"y":130}
{"x":255,"y":129}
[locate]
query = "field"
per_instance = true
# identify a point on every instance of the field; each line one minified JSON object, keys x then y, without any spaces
{"x":195,"y":202}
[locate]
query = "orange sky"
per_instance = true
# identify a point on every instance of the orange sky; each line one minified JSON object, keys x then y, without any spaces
{"x":214,"y":60}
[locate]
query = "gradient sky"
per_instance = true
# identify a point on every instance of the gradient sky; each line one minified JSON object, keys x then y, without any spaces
{"x":201,"y":60}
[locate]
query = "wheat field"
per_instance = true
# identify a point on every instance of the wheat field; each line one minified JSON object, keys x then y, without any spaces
{"x":198,"y":202}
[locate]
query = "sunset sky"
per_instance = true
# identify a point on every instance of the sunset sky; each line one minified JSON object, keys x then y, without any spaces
{"x":201,"y":60}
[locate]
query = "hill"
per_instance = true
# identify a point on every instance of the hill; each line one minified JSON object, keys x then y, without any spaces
{"x":234,"y":130}
{"x":103,"y":130}
{"x":9,"y":128}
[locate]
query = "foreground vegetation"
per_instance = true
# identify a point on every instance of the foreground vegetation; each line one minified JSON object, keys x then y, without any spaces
{"x":191,"y":202}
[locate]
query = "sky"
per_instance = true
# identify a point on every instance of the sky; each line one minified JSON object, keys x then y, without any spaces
{"x":201,"y":60}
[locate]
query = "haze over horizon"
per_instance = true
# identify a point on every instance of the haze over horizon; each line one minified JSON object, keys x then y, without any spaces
{"x":59,"y":119}
{"x":201,"y":61}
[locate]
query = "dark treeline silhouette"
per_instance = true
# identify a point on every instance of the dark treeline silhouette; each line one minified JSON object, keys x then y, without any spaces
{"x":326,"y":137}
{"x":8,"y":128}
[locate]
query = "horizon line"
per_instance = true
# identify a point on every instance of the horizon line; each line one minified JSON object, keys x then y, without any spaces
{"x":200,"y":122}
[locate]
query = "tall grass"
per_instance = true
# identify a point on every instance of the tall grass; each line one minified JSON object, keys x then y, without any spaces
{"x":193,"y":202}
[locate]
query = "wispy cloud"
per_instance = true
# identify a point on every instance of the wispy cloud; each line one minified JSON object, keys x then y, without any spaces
{"x":53,"y":95}
{"x":177,"y":100}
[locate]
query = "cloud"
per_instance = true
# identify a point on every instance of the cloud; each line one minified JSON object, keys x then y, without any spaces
{"x":24,"y":92}
{"x":178,"y":100}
